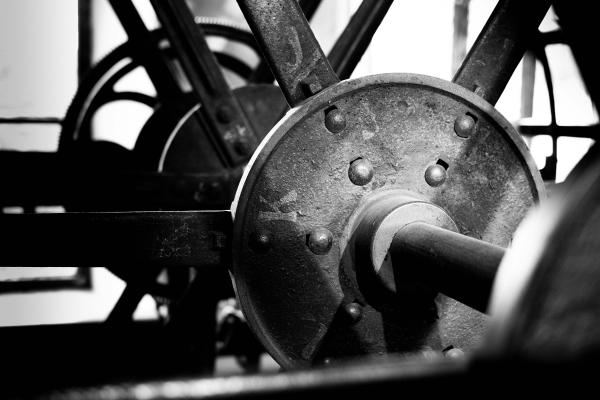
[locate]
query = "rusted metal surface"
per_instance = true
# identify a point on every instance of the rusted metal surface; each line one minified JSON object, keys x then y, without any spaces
{"x":509,"y":31}
{"x":262,"y":72}
{"x":128,"y":239}
{"x":295,"y":298}
{"x":290,"y":47}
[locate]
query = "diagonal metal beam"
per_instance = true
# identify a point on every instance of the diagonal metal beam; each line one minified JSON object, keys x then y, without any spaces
{"x":509,"y":31}
{"x":146,"y":49}
{"x":354,"y":40}
{"x":104,"y":239}
{"x":290,"y":47}
{"x":262,"y":72}
{"x":228,"y":128}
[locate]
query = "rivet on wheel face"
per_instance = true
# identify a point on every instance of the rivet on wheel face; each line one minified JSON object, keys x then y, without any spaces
{"x":242,"y":146}
{"x":319,"y":240}
{"x":353,"y":311}
{"x":360,"y":171}
{"x":454,"y":353}
{"x":335,"y":121}
{"x":224,"y":114}
{"x":464,"y":125}
{"x":260,"y":241}
{"x":435,"y":175}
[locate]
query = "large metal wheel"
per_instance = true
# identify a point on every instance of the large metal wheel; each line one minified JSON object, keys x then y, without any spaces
{"x":99,"y":87}
{"x":301,"y":270}
{"x":369,"y":205}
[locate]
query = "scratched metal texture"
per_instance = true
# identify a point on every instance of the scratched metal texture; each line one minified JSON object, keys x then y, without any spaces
{"x":131,"y":240}
{"x":289,"y":45}
{"x":298,"y":180}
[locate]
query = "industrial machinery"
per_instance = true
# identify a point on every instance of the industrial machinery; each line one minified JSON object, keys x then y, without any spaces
{"x":373,"y":229}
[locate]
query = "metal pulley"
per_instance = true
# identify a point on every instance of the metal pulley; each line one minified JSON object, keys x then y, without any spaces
{"x":545,"y":299}
{"x":323,"y":201}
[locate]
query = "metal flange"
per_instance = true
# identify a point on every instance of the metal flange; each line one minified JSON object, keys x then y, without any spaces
{"x":298,"y":284}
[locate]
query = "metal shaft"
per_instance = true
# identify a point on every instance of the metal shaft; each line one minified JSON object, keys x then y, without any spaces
{"x":457,"y":265}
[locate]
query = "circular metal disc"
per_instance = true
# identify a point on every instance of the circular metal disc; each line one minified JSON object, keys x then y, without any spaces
{"x":299,"y":181}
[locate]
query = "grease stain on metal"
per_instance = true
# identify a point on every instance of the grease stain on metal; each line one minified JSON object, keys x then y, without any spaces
{"x":177,"y":244}
{"x":370,"y":122}
{"x":294,"y":41}
{"x":277,"y":209}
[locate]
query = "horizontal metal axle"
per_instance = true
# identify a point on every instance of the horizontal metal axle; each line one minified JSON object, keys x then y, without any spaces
{"x":456,"y":265}
{"x":105,"y":239}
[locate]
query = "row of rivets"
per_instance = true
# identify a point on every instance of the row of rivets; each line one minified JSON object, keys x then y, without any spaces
{"x":360,"y":173}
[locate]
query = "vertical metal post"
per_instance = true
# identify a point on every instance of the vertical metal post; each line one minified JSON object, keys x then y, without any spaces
{"x":84,"y":51}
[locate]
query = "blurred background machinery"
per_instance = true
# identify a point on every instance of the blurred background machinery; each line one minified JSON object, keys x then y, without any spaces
{"x":358,"y":179}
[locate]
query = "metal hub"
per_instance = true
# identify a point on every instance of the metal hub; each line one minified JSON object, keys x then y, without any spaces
{"x":373,"y":226}
{"x":301,"y":290}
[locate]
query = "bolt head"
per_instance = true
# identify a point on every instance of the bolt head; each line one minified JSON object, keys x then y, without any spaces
{"x":464,"y":125}
{"x":242,"y":146}
{"x":360,"y":172}
{"x":353,"y":311}
{"x":319,"y":240}
{"x":435,"y":175}
{"x":260,"y":241}
{"x":335,"y":121}
{"x":454,"y":353}
{"x":224,"y":114}
{"x":429,"y":354}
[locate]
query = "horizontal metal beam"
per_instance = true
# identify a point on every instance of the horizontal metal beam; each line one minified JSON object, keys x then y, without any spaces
{"x":589,"y":131}
{"x":31,"y":179}
{"x":124,"y":239}
{"x":459,"y":266}
{"x":262,"y":73}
